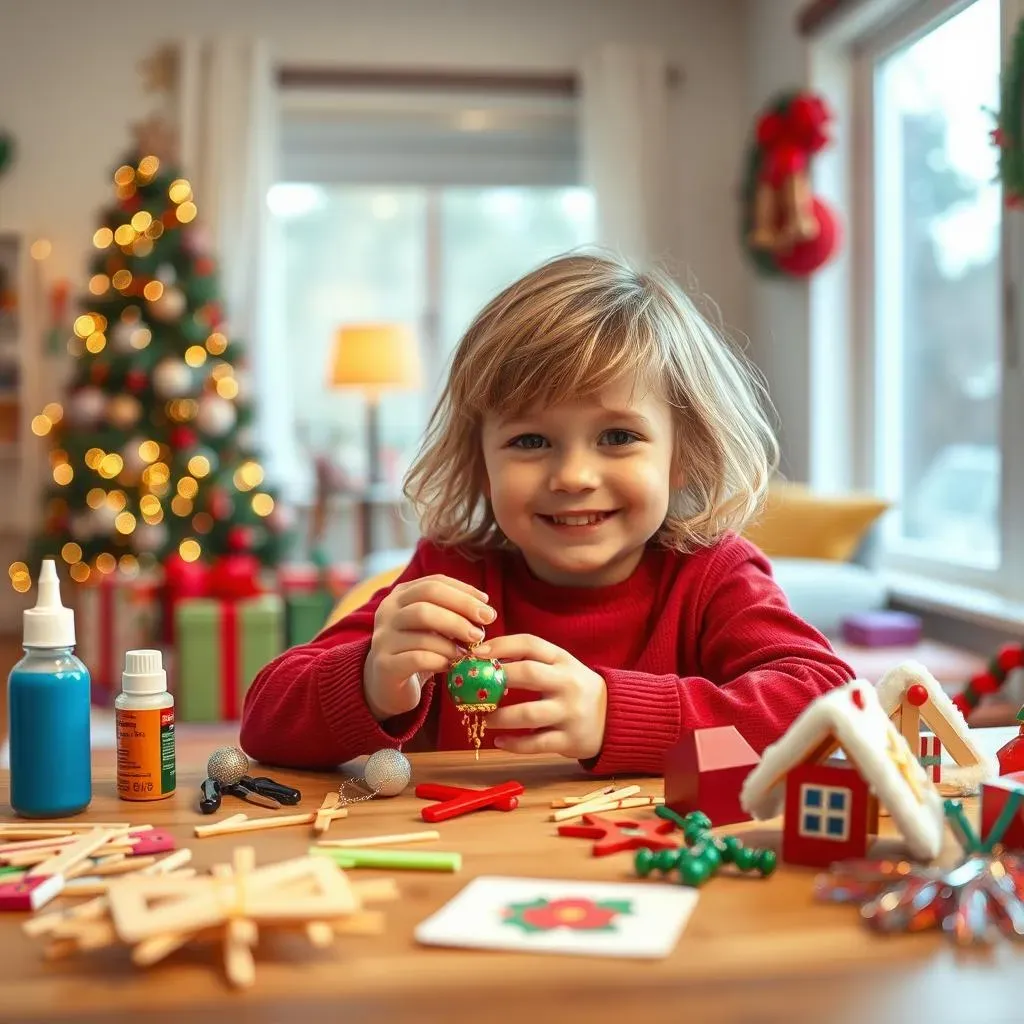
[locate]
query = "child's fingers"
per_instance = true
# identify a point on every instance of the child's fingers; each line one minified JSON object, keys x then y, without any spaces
{"x":424,"y":617}
{"x":519,"y":647}
{"x":458,"y":584}
{"x":403,"y":666}
{"x":531,"y":714}
{"x":416,"y":641}
{"x":445,"y":595}
{"x":550,"y":741}
{"x":534,"y":675}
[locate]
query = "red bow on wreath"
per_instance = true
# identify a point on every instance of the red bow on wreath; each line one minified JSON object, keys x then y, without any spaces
{"x":787,"y":224}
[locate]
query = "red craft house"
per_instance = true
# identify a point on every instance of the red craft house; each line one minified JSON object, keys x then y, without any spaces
{"x":705,"y":771}
{"x":831,"y":804}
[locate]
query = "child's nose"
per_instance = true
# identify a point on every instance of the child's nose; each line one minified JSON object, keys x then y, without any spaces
{"x":574,"y":471}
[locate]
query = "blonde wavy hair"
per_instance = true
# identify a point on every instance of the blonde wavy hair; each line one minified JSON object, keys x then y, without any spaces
{"x":564,"y":332}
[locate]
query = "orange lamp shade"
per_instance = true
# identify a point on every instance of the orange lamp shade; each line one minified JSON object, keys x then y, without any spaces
{"x":375,"y":357}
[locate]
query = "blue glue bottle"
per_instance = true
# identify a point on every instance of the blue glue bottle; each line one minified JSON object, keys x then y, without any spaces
{"x":48,"y":704}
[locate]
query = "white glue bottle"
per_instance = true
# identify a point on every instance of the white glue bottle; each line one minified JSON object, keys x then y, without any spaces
{"x":144,"y":718}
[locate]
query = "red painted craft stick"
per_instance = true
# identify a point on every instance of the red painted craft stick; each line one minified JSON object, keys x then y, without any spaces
{"x":435,"y":791}
{"x":472,"y":800}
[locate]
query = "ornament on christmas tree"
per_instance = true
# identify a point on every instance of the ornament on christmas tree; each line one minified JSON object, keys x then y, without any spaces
{"x":121,"y":335}
{"x":477,"y":686}
{"x":123,"y":411}
{"x":169,"y":306}
{"x":172,"y":378}
{"x":86,"y":406}
{"x":216,"y":415}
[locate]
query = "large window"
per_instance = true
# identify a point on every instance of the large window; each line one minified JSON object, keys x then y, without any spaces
{"x":936,"y":287}
{"x":414,"y":213}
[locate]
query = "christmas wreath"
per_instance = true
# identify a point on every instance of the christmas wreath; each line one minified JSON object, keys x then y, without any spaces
{"x":1008,"y":134}
{"x":786,"y":228}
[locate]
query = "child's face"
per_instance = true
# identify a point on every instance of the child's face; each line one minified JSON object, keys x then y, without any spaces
{"x":605,"y":463}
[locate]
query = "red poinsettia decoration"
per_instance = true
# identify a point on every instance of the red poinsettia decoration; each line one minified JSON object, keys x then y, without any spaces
{"x":576,"y":914}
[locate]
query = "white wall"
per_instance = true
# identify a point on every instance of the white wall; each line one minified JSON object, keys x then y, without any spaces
{"x":779,"y":307}
{"x":70,"y":89}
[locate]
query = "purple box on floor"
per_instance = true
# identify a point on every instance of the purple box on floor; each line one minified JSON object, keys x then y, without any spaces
{"x":882,"y":629}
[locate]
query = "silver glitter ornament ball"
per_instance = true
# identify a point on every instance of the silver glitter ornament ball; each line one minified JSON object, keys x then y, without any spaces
{"x":227,"y":765}
{"x":387,"y":772}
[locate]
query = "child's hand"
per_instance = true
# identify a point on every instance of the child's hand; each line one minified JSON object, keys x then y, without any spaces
{"x":415,"y":631}
{"x":569,"y":716}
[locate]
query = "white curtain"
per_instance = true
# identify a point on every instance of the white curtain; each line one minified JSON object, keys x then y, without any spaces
{"x":226,"y":110}
{"x":626,"y":145}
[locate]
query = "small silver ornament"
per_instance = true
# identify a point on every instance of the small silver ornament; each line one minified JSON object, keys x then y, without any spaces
{"x":387,"y":772}
{"x":228,"y":765}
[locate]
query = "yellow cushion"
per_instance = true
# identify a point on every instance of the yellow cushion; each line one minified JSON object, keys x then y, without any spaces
{"x":798,"y":523}
{"x":358,"y":595}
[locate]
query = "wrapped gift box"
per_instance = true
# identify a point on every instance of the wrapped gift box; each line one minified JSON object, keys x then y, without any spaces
{"x":309,"y":595}
{"x":114,"y":613}
{"x":219,"y":648}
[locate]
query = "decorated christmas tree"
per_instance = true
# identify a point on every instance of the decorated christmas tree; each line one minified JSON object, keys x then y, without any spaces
{"x":152,"y":449}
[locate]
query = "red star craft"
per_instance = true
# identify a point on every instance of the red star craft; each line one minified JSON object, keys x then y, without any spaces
{"x":620,"y":836}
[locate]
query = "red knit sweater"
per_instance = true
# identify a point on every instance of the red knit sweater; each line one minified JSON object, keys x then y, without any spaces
{"x":686,"y":642}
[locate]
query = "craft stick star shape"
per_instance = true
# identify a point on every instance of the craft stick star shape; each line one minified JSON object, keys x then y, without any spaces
{"x":619,"y":836}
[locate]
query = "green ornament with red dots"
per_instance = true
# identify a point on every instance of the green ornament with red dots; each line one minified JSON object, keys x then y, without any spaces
{"x":476,"y":686}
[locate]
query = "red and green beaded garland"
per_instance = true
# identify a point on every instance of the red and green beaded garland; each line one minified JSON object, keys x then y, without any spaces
{"x":477,"y":686}
{"x":1007,"y":659}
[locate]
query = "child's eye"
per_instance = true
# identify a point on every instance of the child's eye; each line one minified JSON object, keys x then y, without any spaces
{"x":619,"y":437}
{"x":529,"y":442}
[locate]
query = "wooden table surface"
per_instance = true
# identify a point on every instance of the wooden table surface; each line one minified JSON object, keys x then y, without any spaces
{"x":754,"y":950}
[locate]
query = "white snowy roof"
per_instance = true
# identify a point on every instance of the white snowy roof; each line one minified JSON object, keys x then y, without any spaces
{"x":853,"y":716}
{"x":895,"y":683}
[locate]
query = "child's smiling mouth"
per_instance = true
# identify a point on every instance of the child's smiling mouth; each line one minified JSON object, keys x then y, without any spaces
{"x":578,"y":521}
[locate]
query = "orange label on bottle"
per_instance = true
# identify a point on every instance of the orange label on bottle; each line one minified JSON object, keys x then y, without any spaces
{"x":145,"y":754}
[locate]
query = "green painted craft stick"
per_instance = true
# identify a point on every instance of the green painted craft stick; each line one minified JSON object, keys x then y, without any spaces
{"x":5,"y":872}
{"x":391,"y":860}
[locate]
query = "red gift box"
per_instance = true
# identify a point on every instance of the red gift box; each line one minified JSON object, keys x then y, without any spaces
{"x":115,"y":613}
{"x":307,"y":578}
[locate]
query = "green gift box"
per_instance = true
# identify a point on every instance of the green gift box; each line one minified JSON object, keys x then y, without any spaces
{"x":305,"y":615}
{"x":221,"y":645}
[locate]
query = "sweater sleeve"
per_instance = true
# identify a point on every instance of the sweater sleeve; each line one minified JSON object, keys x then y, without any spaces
{"x":306,"y":708}
{"x":759,"y":666}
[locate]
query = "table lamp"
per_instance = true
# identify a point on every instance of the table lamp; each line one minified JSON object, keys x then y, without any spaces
{"x":373,"y":358}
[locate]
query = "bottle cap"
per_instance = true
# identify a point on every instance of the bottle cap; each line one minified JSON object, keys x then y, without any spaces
{"x":49,"y":624}
{"x":143,"y":672}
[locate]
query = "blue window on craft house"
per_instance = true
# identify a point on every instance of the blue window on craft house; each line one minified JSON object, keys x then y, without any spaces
{"x":825,"y":812}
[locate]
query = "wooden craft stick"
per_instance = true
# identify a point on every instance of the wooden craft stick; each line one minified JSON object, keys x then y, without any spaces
{"x":225,"y":828}
{"x":42,"y":882}
{"x":628,"y":803}
{"x":173,"y":864}
{"x":92,"y":886}
{"x":597,"y":804}
{"x":569,"y":801}
{"x":323,"y":817}
{"x":66,"y":826}
{"x":399,"y":838}
{"x":375,"y":890}
{"x":229,"y":820}
{"x":76,"y":852}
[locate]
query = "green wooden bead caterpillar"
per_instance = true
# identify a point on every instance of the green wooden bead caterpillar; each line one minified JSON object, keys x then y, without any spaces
{"x":704,"y":854}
